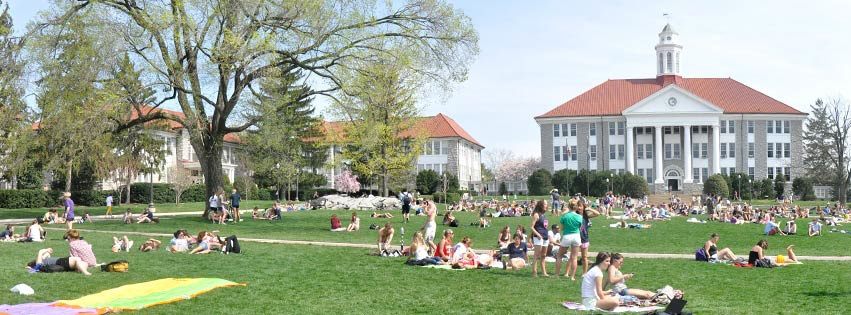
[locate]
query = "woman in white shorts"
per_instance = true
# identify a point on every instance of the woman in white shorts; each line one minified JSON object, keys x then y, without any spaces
{"x":540,"y":237}
{"x":593,"y":296}
{"x":570,"y":222}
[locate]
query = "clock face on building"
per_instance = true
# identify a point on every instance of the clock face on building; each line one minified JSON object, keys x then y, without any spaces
{"x":672,"y":101}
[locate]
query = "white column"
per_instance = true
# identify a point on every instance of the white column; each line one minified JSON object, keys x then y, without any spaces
{"x":657,"y":157}
{"x":630,"y":154}
{"x":716,"y":150}
{"x":687,"y":154}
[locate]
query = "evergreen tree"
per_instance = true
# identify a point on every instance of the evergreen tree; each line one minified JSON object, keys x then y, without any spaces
{"x":817,"y":146}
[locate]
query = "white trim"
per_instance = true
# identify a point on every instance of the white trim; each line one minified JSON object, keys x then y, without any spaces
{"x":569,"y":119}
{"x":646,"y":100}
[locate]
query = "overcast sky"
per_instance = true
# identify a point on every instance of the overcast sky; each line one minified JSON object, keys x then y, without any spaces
{"x":536,"y":55}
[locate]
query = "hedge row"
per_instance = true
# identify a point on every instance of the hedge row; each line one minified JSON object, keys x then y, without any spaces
{"x":37,"y":198}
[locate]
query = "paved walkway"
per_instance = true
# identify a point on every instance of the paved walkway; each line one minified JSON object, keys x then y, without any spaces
{"x":357,"y":245}
{"x":117,"y":216}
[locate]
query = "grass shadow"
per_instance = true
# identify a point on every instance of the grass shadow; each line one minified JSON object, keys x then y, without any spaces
{"x":829,"y":294}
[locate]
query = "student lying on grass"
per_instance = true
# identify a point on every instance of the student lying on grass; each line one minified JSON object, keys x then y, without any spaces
{"x":207,"y":242}
{"x":385,"y":215}
{"x":180,"y":242}
{"x":150,"y":245}
{"x":121,"y":244}
{"x":45,"y":263}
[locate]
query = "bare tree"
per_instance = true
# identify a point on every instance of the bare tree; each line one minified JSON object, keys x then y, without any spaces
{"x":826,"y":140}
{"x":180,"y":179}
{"x":205,"y":54}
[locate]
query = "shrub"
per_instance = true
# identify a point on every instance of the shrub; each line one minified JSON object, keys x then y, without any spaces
{"x":94,"y":198}
{"x":448,"y":198}
{"x":563,"y":179}
{"x":503,"y":188}
{"x":764,"y":188}
{"x":265,"y":194}
{"x":28,"y":198}
{"x":195,"y":193}
{"x":427,"y":181}
{"x":634,"y":186}
{"x":803,"y":188}
{"x":779,"y":186}
{"x":540,"y":182}
{"x":140,"y":193}
{"x":716,"y":185}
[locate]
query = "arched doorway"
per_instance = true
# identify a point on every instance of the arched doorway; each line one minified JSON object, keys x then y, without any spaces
{"x":673,"y":180}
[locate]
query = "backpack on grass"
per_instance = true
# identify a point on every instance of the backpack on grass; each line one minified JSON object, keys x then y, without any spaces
{"x":700,"y":255}
{"x":231,"y":245}
{"x":116,"y":266}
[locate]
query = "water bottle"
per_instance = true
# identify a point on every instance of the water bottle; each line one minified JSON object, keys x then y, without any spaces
{"x":402,"y":230}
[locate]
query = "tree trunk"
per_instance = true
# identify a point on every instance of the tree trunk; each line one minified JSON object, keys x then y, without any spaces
{"x":14,"y":182}
{"x":68,"y":175}
{"x":210,"y":158}
{"x":129,"y":181}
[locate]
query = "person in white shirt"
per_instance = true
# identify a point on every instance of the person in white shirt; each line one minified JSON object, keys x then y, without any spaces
{"x":814,"y":228}
{"x":593,"y":296}
{"x":35,"y":233}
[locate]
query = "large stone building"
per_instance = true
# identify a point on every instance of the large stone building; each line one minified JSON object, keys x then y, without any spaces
{"x":448,"y":149}
{"x":674,"y":131}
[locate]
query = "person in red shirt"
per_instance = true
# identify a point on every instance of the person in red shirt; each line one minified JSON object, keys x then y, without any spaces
{"x":336,"y":225}
{"x":444,"y":247}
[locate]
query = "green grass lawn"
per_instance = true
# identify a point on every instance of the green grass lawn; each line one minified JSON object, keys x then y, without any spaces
{"x":299,"y":279}
{"x":675,"y":236}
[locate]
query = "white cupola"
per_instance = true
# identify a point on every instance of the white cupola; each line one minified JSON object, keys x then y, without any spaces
{"x":668,"y":52}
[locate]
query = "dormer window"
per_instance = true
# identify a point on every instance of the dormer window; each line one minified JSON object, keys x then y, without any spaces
{"x":668,"y":38}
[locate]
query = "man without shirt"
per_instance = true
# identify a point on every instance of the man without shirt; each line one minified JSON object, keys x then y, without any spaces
{"x":430,"y":226}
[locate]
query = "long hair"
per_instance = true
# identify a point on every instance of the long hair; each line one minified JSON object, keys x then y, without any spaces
{"x":762,"y":243}
{"x":601,"y":257}
{"x":539,"y":207}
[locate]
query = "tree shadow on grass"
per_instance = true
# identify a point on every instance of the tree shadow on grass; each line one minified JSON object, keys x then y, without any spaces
{"x":828,"y":294}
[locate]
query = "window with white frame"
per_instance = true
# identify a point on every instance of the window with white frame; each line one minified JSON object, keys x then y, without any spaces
{"x":769,"y":126}
{"x":669,"y":151}
{"x":778,"y":150}
{"x":649,"y":175}
{"x":677,"y":148}
{"x":750,"y":126}
{"x":751,"y":149}
{"x":612,"y":128}
{"x":621,"y":151}
{"x":751,"y":172}
{"x":556,"y":128}
{"x":557,"y":153}
{"x":770,"y":151}
{"x":787,"y":126}
{"x":704,"y":150}
{"x":723,"y":150}
{"x":592,"y":129}
{"x":778,"y":126}
{"x":639,"y":149}
{"x":788,"y":172}
{"x":770,"y":173}
{"x":705,"y":174}
{"x":592,"y":152}
{"x":648,"y":151}
{"x":723,"y":126}
{"x":695,"y":174}
{"x":612,"y":152}
{"x":695,"y":150}
{"x":787,"y":150}
{"x":731,"y":150}
{"x":621,"y":127}
{"x":731,"y":126}
{"x":573,"y":153}
{"x":573,"y":130}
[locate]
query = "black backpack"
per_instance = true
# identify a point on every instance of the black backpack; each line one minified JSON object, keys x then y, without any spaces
{"x":231,"y":245}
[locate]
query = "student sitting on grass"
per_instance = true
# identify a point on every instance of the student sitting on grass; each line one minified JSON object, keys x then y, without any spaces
{"x":463,"y":256}
{"x":593,"y":296}
{"x":419,"y":252}
{"x":771,"y":227}
{"x":34,"y":232}
{"x":504,"y":237}
{"x":180,"y":242}
{"x":80,"y":248}
{"x":87,"y":218}
{"x":50,"y":216}
{"x":618,"y":280}
{"x":711,"y":252}
{"x":121,"y":244}
{"x":8,"y":235}
{"x":449,"y":219}
{"x":814,"y":228}
{"x":128,"y":216}
{"x":355,"y":224}
{"x":444,"y":247}
{"x":336,"y":225}
{"x":517,"y":253}
{"x":150,"y":245}
{"x":757,"y":258}
{"x":45,"y":263}
{"x":791,"y":227}
{"x":385,"y":238}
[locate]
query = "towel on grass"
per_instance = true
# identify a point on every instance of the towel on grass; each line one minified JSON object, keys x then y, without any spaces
{"x":620,"y":309}
{"x":443,"y":267}
{"x":45,"y":309}
{"x":146,"y":294}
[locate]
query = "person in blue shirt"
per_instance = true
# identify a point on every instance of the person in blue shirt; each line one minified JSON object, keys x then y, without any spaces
{"x":517,"y":252}
{"x":234,"y":204}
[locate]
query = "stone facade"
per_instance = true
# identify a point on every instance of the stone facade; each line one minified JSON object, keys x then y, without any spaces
{"x":760,"y":155}
{"x":547,"y":147}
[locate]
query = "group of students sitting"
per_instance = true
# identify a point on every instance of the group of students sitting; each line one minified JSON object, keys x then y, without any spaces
{"x":354,"y":225}
{"x":32,"y":233}
{"x":53,"y":216}
{"x":147,"y":216}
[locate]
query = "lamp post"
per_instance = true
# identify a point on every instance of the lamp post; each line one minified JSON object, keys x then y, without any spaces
{"x":567,"y":167}
{"x":750,"y":198}
{"x":612,"y":176}
{"x":739,"y":186}
{"x":607,"y":185}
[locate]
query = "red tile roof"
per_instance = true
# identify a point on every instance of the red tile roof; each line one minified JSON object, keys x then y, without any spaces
{"x":438,"y":126}
{"x":613,"y":96}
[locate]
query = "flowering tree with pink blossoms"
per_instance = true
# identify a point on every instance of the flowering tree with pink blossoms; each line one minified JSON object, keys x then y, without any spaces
{"x":347,"y":182}
{"x":516,"y":169}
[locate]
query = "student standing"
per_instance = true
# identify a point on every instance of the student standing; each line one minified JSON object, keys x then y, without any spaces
{"x":109,"y":205}
{"x":235,"y":197}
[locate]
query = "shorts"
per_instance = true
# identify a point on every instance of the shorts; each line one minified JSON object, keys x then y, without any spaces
{"x":540,"y":242}
{"x":204,"y":245}
{"x":430,"y":230}
{"x":214,"y":209}
{"x":64,"y":263}
{"x":406,"y":209}
{"x":590,"y":303}
{"x":585,"y":245}
{"x":570,"y":240}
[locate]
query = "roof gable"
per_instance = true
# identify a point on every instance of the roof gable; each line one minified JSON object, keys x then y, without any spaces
{"x":675,"y":100}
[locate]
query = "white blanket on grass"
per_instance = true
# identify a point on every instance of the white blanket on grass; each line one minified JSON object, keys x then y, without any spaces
{"x":620,"y":309}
